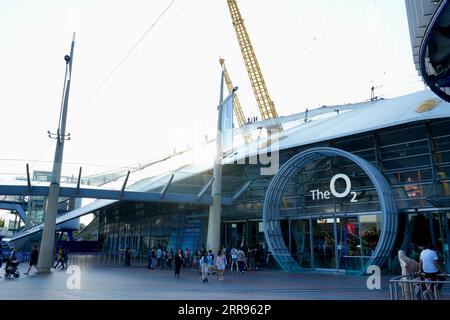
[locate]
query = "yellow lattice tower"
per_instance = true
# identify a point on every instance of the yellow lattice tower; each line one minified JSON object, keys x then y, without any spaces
{"x":265,"y":104}
{"x":239,"y":113}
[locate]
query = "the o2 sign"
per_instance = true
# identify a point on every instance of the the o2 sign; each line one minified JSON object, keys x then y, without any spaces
{"x":320,"y":195}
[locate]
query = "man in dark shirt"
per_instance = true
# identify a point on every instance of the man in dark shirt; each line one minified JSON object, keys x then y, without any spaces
{"x":33,"y":259}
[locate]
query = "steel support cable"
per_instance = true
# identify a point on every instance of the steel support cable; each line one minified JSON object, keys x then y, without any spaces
{"x":111,"y":73}
{"x":276,"y":188}
{"x":128,"y":53}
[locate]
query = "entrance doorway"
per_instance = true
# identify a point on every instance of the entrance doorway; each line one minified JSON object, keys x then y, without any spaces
{"x":431,"y":227}
{"x":335,"y":243}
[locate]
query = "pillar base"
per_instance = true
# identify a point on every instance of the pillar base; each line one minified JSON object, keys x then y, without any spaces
{"x":44,"y":270}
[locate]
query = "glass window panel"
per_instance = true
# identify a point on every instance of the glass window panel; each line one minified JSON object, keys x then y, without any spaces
{"x":402,"y":135}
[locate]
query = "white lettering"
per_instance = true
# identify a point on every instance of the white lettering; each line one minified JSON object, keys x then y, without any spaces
{"x":195,"y":310}
{"x":74,"y":280}
{"x":374,"y":280}
{"x":347,"y":187}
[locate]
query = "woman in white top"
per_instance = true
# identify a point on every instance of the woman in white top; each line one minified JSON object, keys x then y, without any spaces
{"x":409,"y":269}
{"x":221,"y":264}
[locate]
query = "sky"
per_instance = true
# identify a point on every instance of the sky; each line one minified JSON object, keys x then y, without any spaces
{"x":164,"y":94}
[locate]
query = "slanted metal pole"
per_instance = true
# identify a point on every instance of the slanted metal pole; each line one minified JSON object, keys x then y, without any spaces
{"x":46,"y":252}
{"x":213,"y":237}
{"x":28,"y":178}
{"x":125,"y":183}
{"x":205,"y":188}
{"x":166,"y":187}
{"x":79,"y":180}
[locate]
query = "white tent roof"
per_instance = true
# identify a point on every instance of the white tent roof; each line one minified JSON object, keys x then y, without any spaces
{"x":322,"y":124}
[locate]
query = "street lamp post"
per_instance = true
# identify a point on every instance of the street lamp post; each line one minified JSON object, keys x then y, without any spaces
{"x":46,"y":252}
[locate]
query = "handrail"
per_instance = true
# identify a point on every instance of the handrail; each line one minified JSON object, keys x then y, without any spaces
{"x":416,"y":286}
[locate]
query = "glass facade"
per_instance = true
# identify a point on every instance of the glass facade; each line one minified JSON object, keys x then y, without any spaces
{"x":321,"y":232}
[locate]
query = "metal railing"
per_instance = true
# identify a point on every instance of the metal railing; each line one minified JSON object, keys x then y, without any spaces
{"x":418,"y":287}
{"x":90,"y":259}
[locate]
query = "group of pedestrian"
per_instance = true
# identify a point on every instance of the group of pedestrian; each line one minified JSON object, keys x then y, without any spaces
{"x":208,"y":264}
{"x":427,"y":268}
{"x":244,"y":259}
{"x":159,"y":258}
{"x":204,"y":261}
{"x":34,"y":257}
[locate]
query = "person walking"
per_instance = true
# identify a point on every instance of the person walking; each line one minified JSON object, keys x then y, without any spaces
{"x":204,"y":264}
{"x":221,"y":264}
{"x":251,"y":259}
{"x":169,"y":258}
{"x":429,"y":264}
{"x":241,"y":260}
{"x":64,"y":258}
{"x":233,"y":254}
{"x":409,"y":269}
{"x":211,"y":262}
{"x":33,"y":259}
{"x":186,"y":257}
{"x":153,"y":255}
{"x":60,"y":258}
{"x":164,"y":258}
{"x":158,"y":258}
{"x":149,"y":266}
{"x":127,"y":256}
{"x":178,"y":262}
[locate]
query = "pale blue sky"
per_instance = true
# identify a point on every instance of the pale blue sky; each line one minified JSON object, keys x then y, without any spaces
{"x":312,"y":53}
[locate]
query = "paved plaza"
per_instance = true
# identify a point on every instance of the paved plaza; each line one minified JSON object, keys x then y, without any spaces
{"x":112,"y":282}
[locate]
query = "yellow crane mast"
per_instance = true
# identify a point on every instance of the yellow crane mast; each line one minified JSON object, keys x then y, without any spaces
{"x":265,"y":104}
{"x":240,"y":117}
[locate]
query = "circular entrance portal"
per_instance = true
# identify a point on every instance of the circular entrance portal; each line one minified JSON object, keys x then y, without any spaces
{"x":274,"y":197}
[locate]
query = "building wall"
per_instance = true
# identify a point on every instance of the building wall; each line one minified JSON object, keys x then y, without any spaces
{"x":415,"y":159}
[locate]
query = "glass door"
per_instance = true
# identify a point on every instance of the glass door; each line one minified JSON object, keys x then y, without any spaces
{"x":300,"y":244}
{"x":349,"y":245}
{"x":324,"y":243}
{"x":431,"y":228}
